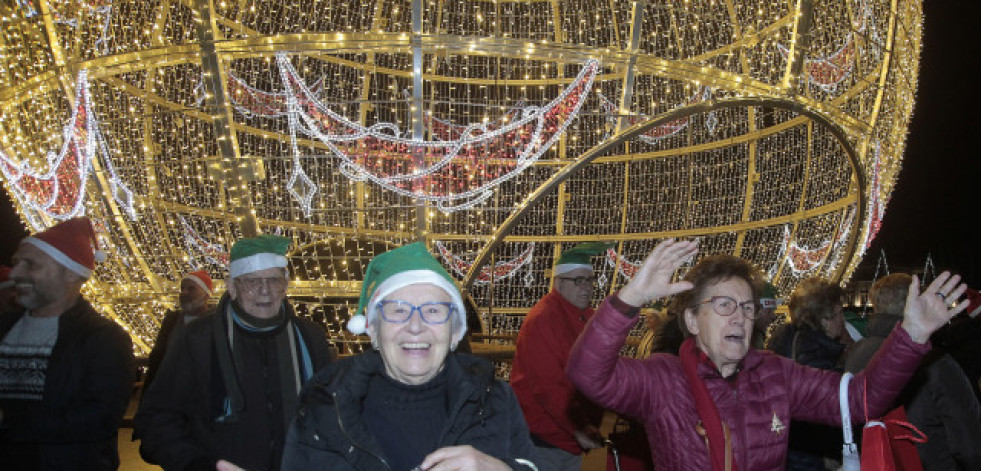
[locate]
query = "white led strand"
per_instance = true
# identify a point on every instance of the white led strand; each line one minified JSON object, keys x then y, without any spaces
{"x":500,"y":271}
{"x":300,"y":119}
{"x":82,"y":141}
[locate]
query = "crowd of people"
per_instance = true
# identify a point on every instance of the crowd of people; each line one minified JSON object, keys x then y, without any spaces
{"x":722,"y":382}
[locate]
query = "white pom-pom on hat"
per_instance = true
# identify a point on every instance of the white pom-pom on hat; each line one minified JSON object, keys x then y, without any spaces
{"x":357,"y":325}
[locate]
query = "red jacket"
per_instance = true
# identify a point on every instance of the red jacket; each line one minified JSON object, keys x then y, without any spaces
{"x":551,"y":404}
{"x":757,"y":403}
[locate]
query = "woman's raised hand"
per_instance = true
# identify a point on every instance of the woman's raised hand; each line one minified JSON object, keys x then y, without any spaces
{"x":653,"y":278}
{"x":927,"y":311}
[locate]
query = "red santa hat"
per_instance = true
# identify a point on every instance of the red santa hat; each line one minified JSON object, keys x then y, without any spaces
{"x":71,"y":243}
{"x":202,"y":279}
{"x":5,"y":281}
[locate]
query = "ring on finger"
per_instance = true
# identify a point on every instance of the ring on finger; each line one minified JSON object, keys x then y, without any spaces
{"x":942,"y":296}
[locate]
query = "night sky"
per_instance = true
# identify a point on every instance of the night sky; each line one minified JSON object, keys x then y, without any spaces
{"x":934,"y":208}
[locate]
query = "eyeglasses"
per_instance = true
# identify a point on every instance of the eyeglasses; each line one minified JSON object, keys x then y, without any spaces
{"x":726,"y":306}
{"x":399,"y":312}
{"x":255,"y":284}
{"x":580,"y":280}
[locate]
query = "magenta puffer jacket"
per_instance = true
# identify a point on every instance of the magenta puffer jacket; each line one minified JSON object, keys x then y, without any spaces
{"x":757,"y":403}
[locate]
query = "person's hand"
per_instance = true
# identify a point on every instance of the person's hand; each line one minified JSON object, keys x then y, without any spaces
{"x":653,"y":278}
{"x":588,"y":438}
{"x":223,"y":465}
{"x":461,"y":458}
{"x":927,"y":311}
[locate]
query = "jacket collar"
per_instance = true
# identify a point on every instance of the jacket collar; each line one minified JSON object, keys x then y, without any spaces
{"x":882,"y":323}
{"x":707,"y":368}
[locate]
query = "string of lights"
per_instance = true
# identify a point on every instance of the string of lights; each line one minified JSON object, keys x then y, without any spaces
{"x":179,"y":129}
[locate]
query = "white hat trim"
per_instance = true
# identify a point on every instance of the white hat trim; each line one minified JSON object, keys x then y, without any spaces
{"x":567,"y":267}
{"x":197,"y":281}
{"x":60,"y":257}
{"x":259,"y":261}
{"x":416,"y":277}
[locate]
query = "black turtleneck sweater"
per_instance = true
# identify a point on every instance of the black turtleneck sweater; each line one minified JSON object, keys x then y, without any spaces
{"x":406,"y":420}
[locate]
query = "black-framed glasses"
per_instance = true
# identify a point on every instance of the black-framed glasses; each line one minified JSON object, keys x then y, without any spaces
{"x":399,"y":312}
{"x":726,"y":306}
{"x":580,"y":280}
{"x":254,"y":285}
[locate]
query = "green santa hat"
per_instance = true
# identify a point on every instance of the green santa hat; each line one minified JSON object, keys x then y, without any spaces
{"x":258,"y":253}
{"x":580,"y":256}
{"x":407,"y":265}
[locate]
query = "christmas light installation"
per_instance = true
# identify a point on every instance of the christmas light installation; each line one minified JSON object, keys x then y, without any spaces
{"x":829,"y":71}
{"x":213,"y":253}
{"x":377,"y":153}
{"x":664,"y":130}
{"x":481,"y":127}
{"x":58,"y":191}
{"x":627,"y":268}
{"x":501,"y":270}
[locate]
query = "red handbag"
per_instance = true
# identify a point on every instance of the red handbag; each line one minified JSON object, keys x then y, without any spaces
{"x":890,"y":444}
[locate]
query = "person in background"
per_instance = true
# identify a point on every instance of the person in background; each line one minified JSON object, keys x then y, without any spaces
{"x":939,"y":399}
{"x":196,"y":290}
{"x":722,"y":404}
{"x":766,"y":316}
{"x":229,"y":384}
{"x":813,"y":338}
{"x":8,"y":295}
{"x":960,"y":340}
{"x":66,"y":372}
{"x":563,"y":423}
{"x":411,"y":402}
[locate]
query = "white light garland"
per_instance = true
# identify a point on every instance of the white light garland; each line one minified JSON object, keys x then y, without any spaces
{"x":343,"y":137}
{"x":829,"y":71}
{"x":627,"y":268}
{"x":501,"y":270}
{"x":664,"y":130}
{"x":213,"y":253}
{"x":59,"y":192}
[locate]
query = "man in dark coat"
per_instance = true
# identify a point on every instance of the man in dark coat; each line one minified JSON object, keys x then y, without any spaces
{"x":228,"y":386}
{"x":196,"y":290}
{"x":938,"y":399}
{"x":66,"y":373}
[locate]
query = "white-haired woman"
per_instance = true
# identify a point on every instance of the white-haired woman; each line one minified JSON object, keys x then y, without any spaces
{"x":410,"y":403}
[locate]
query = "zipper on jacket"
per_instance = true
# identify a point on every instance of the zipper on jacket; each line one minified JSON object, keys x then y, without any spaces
{"x":340,"y":423}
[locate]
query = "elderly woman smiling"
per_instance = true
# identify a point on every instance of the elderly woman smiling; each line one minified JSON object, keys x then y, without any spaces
{"x":410,"y":403}
{"x":720,"y":404}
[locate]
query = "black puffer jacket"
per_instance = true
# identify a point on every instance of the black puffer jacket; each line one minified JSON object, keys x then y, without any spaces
{"x":329,"y":433}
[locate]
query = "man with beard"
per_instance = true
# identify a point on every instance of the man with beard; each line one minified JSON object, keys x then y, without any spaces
{"x":196,"y":290}
{"x":563,"y":423}
{"x":66,"y":373}
{"x":229,"y":385}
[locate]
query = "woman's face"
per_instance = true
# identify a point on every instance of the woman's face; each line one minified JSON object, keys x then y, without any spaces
{"x":724,"y":339}
{"x":834,"y":324}
{"x":413,"y":351}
